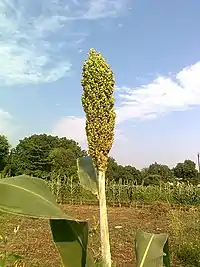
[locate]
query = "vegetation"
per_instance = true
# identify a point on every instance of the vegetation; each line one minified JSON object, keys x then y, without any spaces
{"x":181,"y":223}
{"x":46,"y":156}
{"x":98,"y":103}
{"x":9,"y":258}
{"x":128,"y":194}
{"x":4,"y":152}
{"x":63,"y":166}
{"x":41,"y":156}
{"x":186,"y":235}
{"x":30,"y":197}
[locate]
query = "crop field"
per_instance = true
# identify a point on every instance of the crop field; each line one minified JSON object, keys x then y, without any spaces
{"x":33,"y":240}
{"x":45,"y":175}
{"x":128,"y":195}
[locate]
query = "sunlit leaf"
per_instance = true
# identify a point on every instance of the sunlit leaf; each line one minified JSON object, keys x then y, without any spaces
{"x":87,"y":174}
{"x":150,"y":250}
{"x":27,"y":196}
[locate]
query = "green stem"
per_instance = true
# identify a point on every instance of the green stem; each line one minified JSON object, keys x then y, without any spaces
{"x":105,"y":243}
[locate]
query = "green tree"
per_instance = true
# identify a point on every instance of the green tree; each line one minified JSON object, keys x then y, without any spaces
{"x":112,"y":172}
{"x":130,"y":173}
{"x":127,"y":173}
{"x":63,"y":142}
{"x":98,"y":104}
{"x":186,"y":171}
{"x":163,"y":171}
{"x":63,"y":162}
{"x":4,"y":151}
{"x":149,"y":179}
{"x":32,"y":154}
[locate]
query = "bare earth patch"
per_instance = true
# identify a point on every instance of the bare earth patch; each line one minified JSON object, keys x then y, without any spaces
{"x":34,"y":238}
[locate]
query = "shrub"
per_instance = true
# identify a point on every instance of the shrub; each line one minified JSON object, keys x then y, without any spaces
{"x":186,"y":233}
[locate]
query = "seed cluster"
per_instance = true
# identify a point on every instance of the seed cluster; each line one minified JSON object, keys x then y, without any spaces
{"x":98,"y":104}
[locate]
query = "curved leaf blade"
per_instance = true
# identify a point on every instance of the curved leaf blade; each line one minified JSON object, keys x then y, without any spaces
{"x":150,"y":249}
{"x":166,"y":258}
{"x":73,"y":250}
{"x":27,"y":196}
{"x":87,"y":174}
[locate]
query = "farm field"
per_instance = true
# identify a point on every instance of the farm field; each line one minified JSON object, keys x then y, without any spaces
{"x":33,"y":239}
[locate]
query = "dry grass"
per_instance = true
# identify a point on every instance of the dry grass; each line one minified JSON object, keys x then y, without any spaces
{"x":34,"y":239}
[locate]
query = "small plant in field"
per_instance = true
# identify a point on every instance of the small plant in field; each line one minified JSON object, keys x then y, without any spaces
{"x":186,"y":236}
{"x":94,"y":235}
{"x":9,"y":258}
{"x":95,"y":228}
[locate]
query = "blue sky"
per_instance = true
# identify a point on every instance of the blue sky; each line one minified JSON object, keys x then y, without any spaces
{"x":152,"y":47}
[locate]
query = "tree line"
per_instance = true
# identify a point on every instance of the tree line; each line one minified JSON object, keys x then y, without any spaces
{"x":47,"y":156}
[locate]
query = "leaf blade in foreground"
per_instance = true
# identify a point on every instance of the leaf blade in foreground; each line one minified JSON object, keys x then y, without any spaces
{"x":26,"y":196}
{"x":87,"y":174}
{"x":150,"y":249}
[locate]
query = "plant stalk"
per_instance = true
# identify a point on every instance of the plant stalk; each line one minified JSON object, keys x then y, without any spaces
{"x":105,"y":243}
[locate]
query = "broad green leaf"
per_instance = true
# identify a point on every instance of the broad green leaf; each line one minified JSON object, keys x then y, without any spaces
{"x":66,"y":241}
{"x":27,"y":196}
{"x":65,"y":235}
{"x":24,"y":195}
{"x":150,"y":250}
{"x":166,"y":258}
{"x":87,"y":174}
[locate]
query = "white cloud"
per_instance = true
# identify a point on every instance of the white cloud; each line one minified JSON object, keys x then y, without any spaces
{"x":164,"y":94}
{"x":104,"y":8}
{"x":7,"y":127}
{"x":4,"y":118}
{"x":80,"y":50}
{"x":26,"y":54}
{"x":29,"y":49}
{"x":74,"y":128}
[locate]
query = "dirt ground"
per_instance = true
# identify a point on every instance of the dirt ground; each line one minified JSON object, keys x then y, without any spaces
{"x":34,"y":239}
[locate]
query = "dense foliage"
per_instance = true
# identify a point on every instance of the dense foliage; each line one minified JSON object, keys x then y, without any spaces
{"x":41,"y":156}
{"x":47,"y":156}
{"x":4,"y":152}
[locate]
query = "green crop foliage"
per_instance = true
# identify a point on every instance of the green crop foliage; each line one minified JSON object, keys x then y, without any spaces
{"x":120,"y":194}
{"x":27,"y":196}
{"x":17,"y":195}
{"x":186,"y":234}
{"x":98,"y":103}
{"x":9,"y":258}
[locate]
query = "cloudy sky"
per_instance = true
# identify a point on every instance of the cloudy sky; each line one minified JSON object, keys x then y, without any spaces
{"x":152,"y":47}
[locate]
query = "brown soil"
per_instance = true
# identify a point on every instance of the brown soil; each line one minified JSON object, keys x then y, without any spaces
{"x":34,"y":239}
